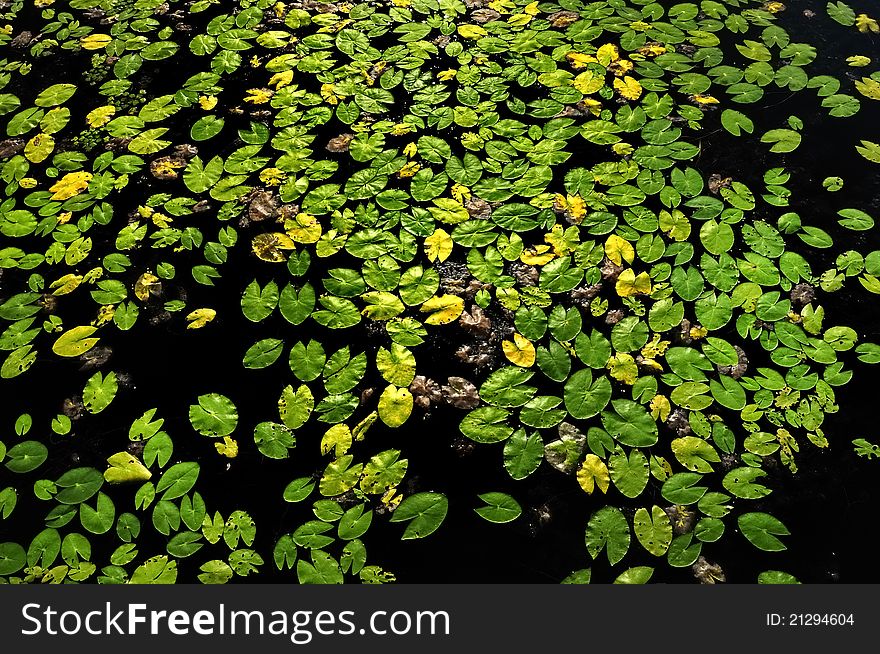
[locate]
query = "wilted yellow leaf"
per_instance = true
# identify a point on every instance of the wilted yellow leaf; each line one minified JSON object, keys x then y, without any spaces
{"x":537,"y":256}
{"x":71,"y":184}
{"x":268,"y":247}
{"x":655,"y":348}
{"x":628,"y":87}
{"x":438,"y":246}
{"x":607,"y":53}
{"x":867,"y":24}
{"x":207,"y":102}
{"x":588,"y":82}
{"x":228,"y":448}
{"x":621,"y":67}
{"x":593,"y":473}
{"x":593,"y":106}
{"x":258,"y":96}
{"x":328,"y":92}
{"x":519,"y":351}
{"x":652,"y":50}
{"x":868,"y":87}
{"x":579,"y":60}
{"x":95,"y":41}
{"x":200,"y":317}
{"x":337,"y":439}
{"x":577,"y":207}
{"x":443,"y":309}
{"x":282,"y":79}
{"x":363,"y":426}
{"x":272,"y":176}
{"x":629,"y":284}
{"x":100,"y":116}
{"x":619,"y":250}
{"x":66,"y":284}
{"x":146,"y":284}
{"x":468,"y":31}
{"x":623,"y":368}
{"x":660,"y":407}
{"x":460,"y":192}
{"x":105,"y":315}
{"x":39,"y":148}
{"x":858,"y":61}
{"x":409,"y":169}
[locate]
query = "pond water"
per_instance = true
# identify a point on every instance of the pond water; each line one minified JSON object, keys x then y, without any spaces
{"x":829,"y":505}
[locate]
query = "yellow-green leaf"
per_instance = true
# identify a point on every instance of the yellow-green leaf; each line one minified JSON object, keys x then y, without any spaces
{"x":469,"y":31}
{"x":629,"y":284}
{"x":623,"y":368}
{"x":200,"y":317}
{"x":337,"y":439}
{"x":75,"y":341}
{"x":39,"y":148}
{"x":395,"y":405}
{"x":868,"y":87}
{"x":125,"y":467}
{"x":438,"y":246}
{"x":592,"y":473}
{"x":443,"y":309}
{"x":619,"y":250}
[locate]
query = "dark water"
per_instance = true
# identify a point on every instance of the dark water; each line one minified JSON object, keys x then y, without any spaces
{"x":830,"y":505}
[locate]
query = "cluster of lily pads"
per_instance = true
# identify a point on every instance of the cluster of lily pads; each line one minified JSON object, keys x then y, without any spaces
{"x":506,"y":190}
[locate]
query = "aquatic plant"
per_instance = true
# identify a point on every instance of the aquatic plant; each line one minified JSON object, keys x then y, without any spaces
{"x":492,"y":210}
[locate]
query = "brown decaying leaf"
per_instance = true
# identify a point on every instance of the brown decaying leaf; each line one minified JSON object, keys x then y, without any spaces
{"x":425,"y":392}
{"x":340,"y":143}
{"x":476,"y":322}
{"x":461,"y":393}
{"x":717,"y":182}
{"x":478,"y":208}
{"x":708,"y":573}
{"x":481,"y":16}
{"x":263,"y":205}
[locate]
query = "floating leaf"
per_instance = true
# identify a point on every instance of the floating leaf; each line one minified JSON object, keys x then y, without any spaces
{"x":443,"y":309}
{"x":519,"y":351}
{"x":125,"y":467}
{"x":395,"y":405}
{"x":75,"y":341}
{"x":424,"y":511}
{"x":500,"y":508}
